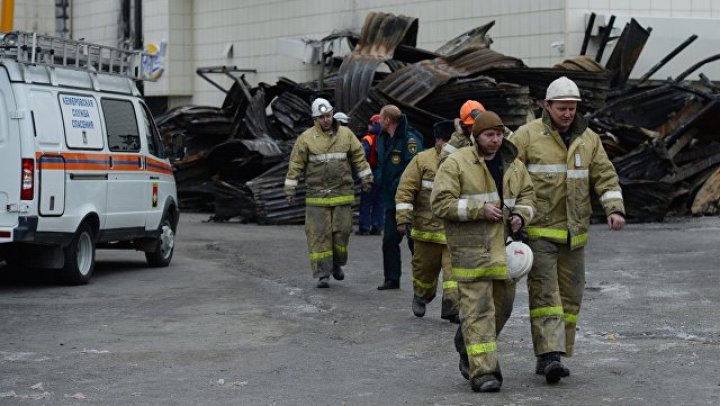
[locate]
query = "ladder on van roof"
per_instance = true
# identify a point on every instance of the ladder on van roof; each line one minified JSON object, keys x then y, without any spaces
{"x":37,"y":49}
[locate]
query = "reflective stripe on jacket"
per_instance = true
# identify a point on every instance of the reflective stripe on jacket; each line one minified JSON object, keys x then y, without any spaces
{"x":325,"y":162}
{"x":563,"y":176}
{"x":371,"y":151}
{"x":412,"y":199}
{"x":462,"y":186}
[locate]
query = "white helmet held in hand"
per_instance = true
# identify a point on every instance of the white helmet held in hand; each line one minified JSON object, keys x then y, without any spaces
{"x":519,"y":259}
{"x":341,"y":117}
{"x":321,"y":106}
{"x":563,"y":88}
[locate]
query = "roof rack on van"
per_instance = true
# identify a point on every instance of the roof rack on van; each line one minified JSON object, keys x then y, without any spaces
{"x":37,"y":49}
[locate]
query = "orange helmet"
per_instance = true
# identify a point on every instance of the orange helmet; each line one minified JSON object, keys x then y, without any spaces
{"x":469,"y":110}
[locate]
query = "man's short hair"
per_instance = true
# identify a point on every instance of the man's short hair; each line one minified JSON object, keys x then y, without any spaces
{"x":391,"y":112}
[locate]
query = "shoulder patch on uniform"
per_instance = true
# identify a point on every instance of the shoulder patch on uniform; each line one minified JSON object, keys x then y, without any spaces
{"x":412,"y":146}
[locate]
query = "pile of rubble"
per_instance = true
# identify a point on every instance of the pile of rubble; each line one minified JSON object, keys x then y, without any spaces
{"x":232,"y":160}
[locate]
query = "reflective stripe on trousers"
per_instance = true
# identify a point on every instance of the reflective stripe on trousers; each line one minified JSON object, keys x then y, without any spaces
{"x":556,"y":284}
{"x":327,"y":230}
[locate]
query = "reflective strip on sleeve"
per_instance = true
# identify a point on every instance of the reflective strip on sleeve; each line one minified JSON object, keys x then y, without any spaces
{"x":611,"y":194}
{"x":450,"y":285}
{"x":429,"y":236}
{"x":318,"y":256}
{"x":474,"y":273}
{"x":427,"y":184}
{"x":403,"y":206}
{"x":422,"y":284}
{"x":555,"y":234}
{"x":364,"y":173}
{"x":331,"y":156}
{"x":531,"y":211}
{"x":577,"y":173}
{"x":570,"y":318}
{"x":449,"y":148}
{"x":340,"y":249}
{"x":578,"y":240}
{"x":462,"y":209}
{"x":473,"y":350}
{"x":541,"y":168}
{"x":330,"y":200}
{"x":482,"y":197}
{"x":546,"y":311}
{"x":291,"y":182}
{"x":510,"y":203}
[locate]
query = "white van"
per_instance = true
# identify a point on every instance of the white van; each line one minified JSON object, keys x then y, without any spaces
{"x":81,"y":161}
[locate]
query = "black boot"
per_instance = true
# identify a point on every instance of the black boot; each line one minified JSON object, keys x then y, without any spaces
{"x":448,"y":312}
{"x":554,"y":369}
{"x":542,"y":362}
{"x":485,"y":383}
{"x":464,"y":365}
{"x":418,"y":307}
{"x":338,"y":273}
{"x":323,"y":282}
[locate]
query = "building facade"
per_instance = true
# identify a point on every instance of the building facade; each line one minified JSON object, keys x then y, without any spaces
{"x":276,"y":37}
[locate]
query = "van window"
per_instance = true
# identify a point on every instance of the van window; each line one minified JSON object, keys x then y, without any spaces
{"x":121,"y":125}
{"x":155,"y":146}
{"x":46,"y":117}
{"x":81,"y":119}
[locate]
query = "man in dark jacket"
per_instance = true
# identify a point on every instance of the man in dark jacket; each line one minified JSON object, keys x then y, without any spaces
{"x":372,"y":215}
{"x":396,"y":147}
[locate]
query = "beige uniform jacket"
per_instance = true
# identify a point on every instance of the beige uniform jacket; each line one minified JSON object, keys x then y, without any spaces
{"x":563,"y":178}
{"x":412,"y":199}
{"x":462,"y":186}
{"x":325,"y":162}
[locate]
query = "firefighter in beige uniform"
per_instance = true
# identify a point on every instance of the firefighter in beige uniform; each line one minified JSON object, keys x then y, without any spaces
{"x":565,"y":160}
{"x":323,"y":155}
{"x":463,"y":127}
{"x":413,"y":210}
{"x":480,"y":191}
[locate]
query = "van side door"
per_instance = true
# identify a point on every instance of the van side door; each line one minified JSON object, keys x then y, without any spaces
{"x":10,"y":157}
{"x":127,"y":194}
{"x":159,"y":172}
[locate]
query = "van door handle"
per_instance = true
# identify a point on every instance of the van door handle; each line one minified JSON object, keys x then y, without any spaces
{"x":140,"y":162}
{"x":154,"y":178}
{"x":110,"y":161}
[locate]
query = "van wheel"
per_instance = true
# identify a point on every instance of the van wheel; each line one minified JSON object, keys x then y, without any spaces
{"x":79,"y":257}
{"x":163,"y":253}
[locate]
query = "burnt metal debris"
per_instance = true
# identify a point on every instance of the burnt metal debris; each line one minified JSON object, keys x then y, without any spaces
{"x":661,"y":136}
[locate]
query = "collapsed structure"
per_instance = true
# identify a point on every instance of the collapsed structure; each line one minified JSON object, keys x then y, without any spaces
{"x":231,"y":160}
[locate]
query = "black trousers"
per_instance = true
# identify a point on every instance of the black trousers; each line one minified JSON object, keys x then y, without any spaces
{"x":392,"y":265}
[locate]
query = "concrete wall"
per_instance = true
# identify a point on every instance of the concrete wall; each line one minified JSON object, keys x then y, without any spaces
{"x":95,"y":20}
{"x":270,"y":35}
{"x":35,"y":15}
{"x":172,"y":22}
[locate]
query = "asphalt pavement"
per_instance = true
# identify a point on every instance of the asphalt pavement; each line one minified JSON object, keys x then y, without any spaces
{"x":236,"y":319}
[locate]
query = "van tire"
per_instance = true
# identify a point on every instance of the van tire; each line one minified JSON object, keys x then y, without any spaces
{"x":79,"y":257}
{"x":165,"y":246}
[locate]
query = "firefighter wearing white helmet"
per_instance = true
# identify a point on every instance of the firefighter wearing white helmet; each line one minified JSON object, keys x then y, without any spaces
{"x":324,"y":155}
{"x":482,"y":193}
{"x":566,"y":160}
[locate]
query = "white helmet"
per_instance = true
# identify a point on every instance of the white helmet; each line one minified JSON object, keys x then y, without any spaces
{"x":321,"y":106}
{"x":341,"y":117}
{"x":519,"y":259}
{"x":563,"y":88}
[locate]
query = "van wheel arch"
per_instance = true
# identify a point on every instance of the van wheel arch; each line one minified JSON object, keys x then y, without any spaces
{"x":164,"y":246}
{"x":80,"y":253}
